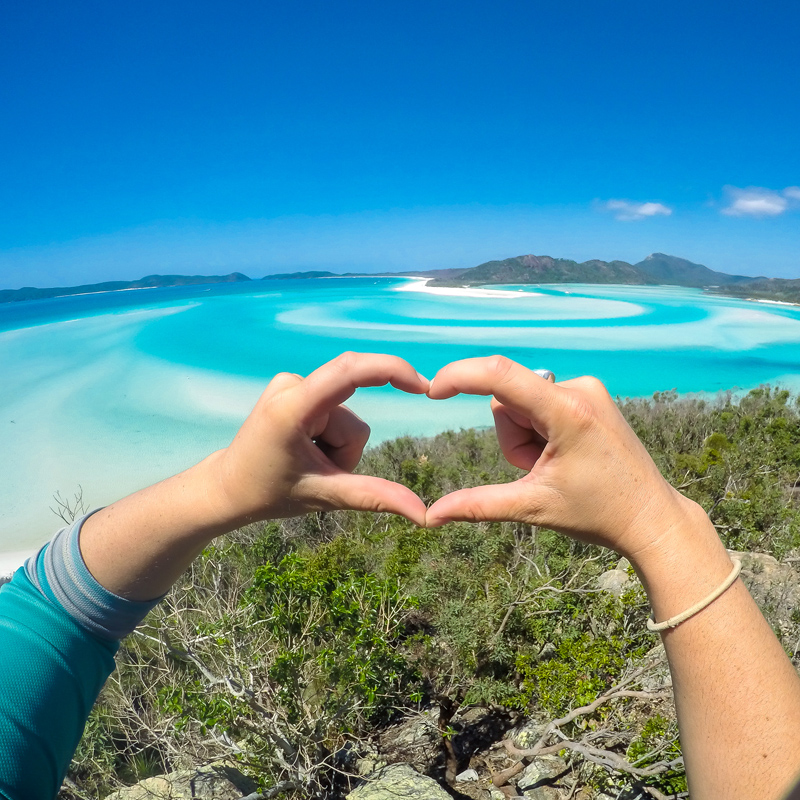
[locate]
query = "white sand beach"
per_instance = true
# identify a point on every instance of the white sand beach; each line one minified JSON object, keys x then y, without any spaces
{"x":771,"y":302}
{"x":421,"y":285}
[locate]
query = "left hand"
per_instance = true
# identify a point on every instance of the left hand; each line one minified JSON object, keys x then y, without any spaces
{"x":296,"y":451}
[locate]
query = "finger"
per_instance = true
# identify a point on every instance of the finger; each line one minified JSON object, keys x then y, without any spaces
{"x":334,"y":382}
{"x":365,"y":493}
{"x":343,"y":438}
{"x":520,"y":443}
{"x":513,"y":385}
{"x":511,"y":502}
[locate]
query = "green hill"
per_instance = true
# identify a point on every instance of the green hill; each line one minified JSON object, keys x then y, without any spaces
{"x":657,"y":268}
{"x":674,"y":271}
{"x":544,"y":269}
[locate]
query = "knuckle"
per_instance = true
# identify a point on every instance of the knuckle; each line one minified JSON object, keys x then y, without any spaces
{"x":346,"y":360}
{"x":363,"y":434}
{"x":591,"y":385}
{"x":499,"y":366}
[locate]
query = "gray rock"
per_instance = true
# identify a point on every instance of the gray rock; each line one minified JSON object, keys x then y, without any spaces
{"x":658,"y":675}
{"x":614,"y":581}
{"x":415,"y":741}
{"x":369,"y":764}
{"x":399,"y":782}
{"x":213,"y":782}
{"x":548,"y":652}
{"x":775,"y":587}
{"x":527,"y":734}
{"x":542,"y":768}
{"x":467,"y":775}
{"x":543,"y":793}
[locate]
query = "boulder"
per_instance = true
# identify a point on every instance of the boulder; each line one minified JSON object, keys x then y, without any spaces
{"x":542,"y":793}
{"x":528,"y":733}
{"x":415,"y":741}
{"x":540,"y":770}
{"x":399,"y":782}
{"x":213,"y":782}
{"x":614,"y":581}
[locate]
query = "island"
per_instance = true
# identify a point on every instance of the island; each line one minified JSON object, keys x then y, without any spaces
{"x":658,"y":269}
{"x":148,"y":282}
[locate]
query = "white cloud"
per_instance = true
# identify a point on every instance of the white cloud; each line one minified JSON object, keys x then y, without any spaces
{"x":756,"y":201}
{"x":627,"y":211}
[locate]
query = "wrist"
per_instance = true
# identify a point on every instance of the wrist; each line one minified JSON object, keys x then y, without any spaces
{"x":682,"y":560}
{"x":223,"y":503}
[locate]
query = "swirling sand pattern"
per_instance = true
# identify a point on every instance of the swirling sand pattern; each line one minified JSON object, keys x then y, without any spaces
{"x":114,"y":392}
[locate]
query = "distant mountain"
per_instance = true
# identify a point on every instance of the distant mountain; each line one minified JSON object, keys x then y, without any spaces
{"x":657,"y":268}
{"x":544,"y":269}
{"x":301,"y":275}
{"x":675,"y":271}
{"x":148,"y":282}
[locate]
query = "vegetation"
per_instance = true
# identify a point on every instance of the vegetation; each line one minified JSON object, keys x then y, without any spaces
{"x":657,"y":268}
{"x":289,"y":646}
{"x":785,"y":290}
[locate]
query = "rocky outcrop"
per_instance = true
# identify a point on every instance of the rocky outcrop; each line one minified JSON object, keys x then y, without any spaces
{"x":416,"y":742}
{"x":398,"y":782}
{"x":213,"y":782}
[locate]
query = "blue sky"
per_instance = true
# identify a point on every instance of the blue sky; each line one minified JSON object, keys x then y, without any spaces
{"x":259,"y":136}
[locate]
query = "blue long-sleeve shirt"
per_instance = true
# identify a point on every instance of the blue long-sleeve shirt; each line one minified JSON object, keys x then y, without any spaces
{"x":59,"y":633}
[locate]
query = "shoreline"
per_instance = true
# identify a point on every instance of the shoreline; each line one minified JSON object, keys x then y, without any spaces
{"x":416,"y":284}
{"x":772,"y":302}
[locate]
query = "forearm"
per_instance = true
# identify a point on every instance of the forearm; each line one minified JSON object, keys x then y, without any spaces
{"x":736,"y":692}
{"x":139,"y":546}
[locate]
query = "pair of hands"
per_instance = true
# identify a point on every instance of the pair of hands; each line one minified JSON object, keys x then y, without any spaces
{"x":588,"y":474}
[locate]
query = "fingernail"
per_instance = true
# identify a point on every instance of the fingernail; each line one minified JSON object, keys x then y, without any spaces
{"x":430,"y":385}
{"x":422,"y":378}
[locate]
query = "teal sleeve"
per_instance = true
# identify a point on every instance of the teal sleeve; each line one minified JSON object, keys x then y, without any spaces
{"x":51,"y":671}
{"x":59,"y":633}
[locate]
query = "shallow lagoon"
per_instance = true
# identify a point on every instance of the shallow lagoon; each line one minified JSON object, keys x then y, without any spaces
{"x":116,"y":391}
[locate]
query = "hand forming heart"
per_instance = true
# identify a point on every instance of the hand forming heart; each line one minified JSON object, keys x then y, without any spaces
{"x":588,"y":474}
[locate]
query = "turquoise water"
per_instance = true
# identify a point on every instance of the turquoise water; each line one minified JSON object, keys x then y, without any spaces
{"x":115,"y":391}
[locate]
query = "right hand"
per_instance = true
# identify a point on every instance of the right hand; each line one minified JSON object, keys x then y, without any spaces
{"x":297,"y":450}
{"x":589,"y":475}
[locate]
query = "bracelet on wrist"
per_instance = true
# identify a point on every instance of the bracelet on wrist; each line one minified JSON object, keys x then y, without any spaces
{"x":673,"y":622}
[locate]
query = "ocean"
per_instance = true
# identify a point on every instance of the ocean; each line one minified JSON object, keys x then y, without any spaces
{"x":112,"y":392}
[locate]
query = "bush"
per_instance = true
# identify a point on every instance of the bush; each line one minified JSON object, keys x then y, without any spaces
{"x":287,"y":643}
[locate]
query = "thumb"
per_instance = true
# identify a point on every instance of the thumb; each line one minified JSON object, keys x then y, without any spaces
{"x":517,"y":501}
{"x":365,"y":493}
